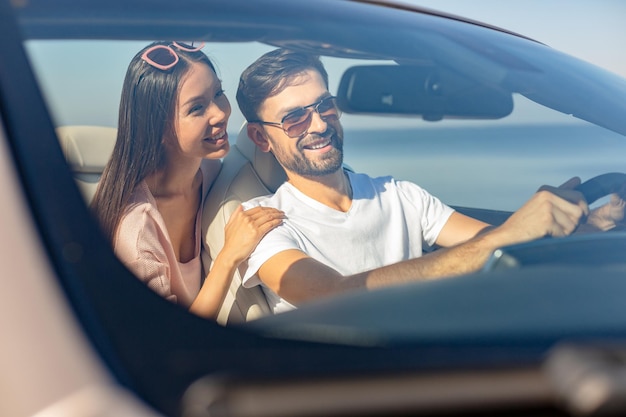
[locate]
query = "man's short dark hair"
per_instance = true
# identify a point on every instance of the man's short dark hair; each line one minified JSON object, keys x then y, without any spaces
{"x":271,"y":74}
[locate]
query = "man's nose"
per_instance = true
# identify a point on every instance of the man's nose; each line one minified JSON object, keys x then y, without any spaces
{"x":318,"y":124}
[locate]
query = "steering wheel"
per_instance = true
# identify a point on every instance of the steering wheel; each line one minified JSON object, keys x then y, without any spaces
{"x":546,"y":251}
{"x":601,"y":185}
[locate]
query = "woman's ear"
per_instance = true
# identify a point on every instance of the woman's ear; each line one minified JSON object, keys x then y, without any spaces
{"x":257,"y":135}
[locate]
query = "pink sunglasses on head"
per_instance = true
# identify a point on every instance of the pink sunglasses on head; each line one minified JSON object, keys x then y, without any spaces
{"x":164,"y":57}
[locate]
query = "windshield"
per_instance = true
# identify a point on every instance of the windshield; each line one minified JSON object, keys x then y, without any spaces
{"x":455,"y":159}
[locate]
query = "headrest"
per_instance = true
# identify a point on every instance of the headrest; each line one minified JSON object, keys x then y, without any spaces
{"x":264,"y":163}
{"x":87,"y":148}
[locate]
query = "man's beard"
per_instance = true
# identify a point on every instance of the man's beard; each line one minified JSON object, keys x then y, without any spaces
{"x":328,"y":163}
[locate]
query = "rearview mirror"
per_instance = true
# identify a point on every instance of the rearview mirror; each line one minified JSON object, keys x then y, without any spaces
{"x":425,"y":91}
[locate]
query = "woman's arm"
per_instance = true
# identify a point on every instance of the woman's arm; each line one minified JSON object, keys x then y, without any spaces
{"x":244,"y":231}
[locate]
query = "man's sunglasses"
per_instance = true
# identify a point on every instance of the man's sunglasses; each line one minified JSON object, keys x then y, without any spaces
{"x":297,"y":122}
{"x":165,"y":57}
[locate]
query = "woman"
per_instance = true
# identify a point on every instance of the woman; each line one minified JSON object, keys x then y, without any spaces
{"x":171,"y":135}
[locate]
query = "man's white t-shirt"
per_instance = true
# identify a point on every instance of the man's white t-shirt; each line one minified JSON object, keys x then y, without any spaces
{"x":389,"y":221}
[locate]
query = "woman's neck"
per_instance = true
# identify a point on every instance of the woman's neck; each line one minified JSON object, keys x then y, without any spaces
{"x":176,"y":180}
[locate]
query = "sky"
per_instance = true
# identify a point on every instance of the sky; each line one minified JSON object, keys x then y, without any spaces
{"x":592,"y":30}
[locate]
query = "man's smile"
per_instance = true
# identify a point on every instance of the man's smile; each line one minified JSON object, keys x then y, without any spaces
{"x":318,"y":143}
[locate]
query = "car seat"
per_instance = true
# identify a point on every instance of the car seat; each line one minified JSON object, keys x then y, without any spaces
{"x":87,"y":150}
{"x":246,"y":173}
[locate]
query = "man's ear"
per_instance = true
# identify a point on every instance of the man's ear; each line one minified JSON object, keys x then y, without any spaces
{"x":257,"y":135}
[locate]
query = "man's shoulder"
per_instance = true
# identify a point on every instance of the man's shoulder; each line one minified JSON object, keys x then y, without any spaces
{"x":268,"y":200}
{"x":364,"y":184}
{"x":363,"y":177}
{"x":365,"y":181}
{"x":263,"y":200}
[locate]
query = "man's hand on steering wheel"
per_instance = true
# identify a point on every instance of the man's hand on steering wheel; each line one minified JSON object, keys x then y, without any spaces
{"x":603,"y":218}
{"x":568,"y":191}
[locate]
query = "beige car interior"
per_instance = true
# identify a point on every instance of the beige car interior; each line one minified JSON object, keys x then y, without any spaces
{"x":87,"y":150}
{"x":246,"y":173}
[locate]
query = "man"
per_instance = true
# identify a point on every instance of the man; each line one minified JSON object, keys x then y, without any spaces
{"x":345,"y":231}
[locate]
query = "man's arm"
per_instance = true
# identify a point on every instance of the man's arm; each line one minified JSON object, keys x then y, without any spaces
{"x":298,"y":278}
{"x":458,"y":229}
